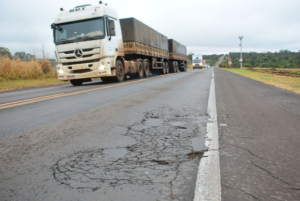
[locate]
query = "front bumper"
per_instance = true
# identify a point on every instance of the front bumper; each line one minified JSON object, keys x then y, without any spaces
{"x":77,"y":71}
{"x":197,"y":66}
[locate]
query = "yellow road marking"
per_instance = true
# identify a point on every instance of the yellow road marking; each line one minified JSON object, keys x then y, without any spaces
{"x":25,"y":100}
{"x":38,"y":100}
{"x":42,"y":98}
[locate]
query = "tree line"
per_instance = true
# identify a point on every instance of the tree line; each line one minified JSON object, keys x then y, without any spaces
{"x":22,"y":55}
{"x":281,"y":59}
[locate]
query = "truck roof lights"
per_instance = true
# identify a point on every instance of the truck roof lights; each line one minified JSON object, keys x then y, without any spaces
{"x":85,"y":5}
{"x":100,"y":2}
{"x":61,"y":9}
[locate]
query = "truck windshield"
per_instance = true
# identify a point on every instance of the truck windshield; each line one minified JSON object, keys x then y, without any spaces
{"x":79,"y":31}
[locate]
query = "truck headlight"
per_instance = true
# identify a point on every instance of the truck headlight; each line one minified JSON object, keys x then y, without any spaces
{"x":60,"y":71}
{"x":193,"y":64}
{"x":102,"y":68}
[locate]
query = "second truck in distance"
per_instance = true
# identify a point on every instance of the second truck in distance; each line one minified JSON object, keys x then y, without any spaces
{"x":198,"y":61}
{"x":92,"y":42}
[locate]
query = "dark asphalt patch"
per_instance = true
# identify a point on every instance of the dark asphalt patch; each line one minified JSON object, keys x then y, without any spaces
{"x":163,"y":152}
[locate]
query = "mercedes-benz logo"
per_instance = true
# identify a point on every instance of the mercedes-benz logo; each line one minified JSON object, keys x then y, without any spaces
{"x":78,"y":53}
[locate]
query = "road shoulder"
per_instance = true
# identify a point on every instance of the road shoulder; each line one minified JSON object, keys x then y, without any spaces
{"x":259,"y":137}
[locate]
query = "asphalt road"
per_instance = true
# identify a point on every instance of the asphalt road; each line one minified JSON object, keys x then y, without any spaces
{"x":259,"y":139}
{"x":135,"y":140}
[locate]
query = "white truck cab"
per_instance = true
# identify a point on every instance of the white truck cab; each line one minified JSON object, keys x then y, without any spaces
{"x":88,"y":40}
{"x":197,"y":61}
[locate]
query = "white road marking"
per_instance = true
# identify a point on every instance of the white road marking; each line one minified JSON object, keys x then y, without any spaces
{"x":208,"y":184}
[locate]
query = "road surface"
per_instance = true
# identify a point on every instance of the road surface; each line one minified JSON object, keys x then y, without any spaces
{"x":143,"y":140}
{"x":135,"y":140}
{"x":259,"y":139}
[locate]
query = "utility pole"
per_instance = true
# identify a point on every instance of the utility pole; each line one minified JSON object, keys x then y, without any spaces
{"x":241,"y":59}
{"x":283,"y":61}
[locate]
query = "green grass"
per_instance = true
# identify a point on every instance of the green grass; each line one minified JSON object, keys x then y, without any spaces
{"x":284,"y":82}
{"x":21,"y":84}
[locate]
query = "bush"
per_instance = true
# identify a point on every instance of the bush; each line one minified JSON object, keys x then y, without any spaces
{"x":17,"y":69}
{"x":46,"y":66}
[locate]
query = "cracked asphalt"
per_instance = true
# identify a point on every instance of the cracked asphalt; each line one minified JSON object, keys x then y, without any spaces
{"x":137,"y":141}
{"x":259,"y":134}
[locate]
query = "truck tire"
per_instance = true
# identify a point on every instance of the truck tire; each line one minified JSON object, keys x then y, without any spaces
{"x":185,"y":67}
{"x":146,"y":68}
{"x":140,"y":69}
{"x":119,"y":71}
{"x":76,"y":82}
{"x":163,"y":70}
{"x":176,"y":67}
{"x":167,"y":67}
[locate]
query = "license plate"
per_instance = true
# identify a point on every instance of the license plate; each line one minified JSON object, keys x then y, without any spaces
{"x":71,"y":77}
{"x":79,"y":67}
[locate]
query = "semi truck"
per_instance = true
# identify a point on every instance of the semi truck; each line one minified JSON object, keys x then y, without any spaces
{"x":197,"y":61}
{"x":92,"y":42}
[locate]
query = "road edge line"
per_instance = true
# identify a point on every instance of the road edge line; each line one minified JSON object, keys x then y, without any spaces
{"x":208,"y":184}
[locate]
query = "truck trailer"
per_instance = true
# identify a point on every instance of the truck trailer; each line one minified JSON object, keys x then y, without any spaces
{"x":92,"y":42}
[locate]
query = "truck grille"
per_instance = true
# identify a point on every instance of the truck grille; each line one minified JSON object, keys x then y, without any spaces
{"x":80,"y":62}
{"x":81,"y":71}
{"x":88,"y":53}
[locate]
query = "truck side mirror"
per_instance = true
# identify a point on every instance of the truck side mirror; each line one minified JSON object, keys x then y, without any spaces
{"x":52,"y":26}
{"x":112,"y":28}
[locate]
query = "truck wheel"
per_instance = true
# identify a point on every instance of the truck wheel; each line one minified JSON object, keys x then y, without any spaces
{"x":76,"y":82}
{"x":146,"y":68}
{"x":119,"y":71}
{"x":167,"y":67}
{"x":140,"y":70}
{"x":185,"y":67}
{"x":163,"y":70}
{"x":176,"y":67}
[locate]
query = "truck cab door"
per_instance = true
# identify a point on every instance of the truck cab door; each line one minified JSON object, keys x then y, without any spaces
{"x":112,"y":39}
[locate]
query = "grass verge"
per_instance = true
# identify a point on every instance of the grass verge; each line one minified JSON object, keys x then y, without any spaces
{"x":21,"y":84}
{"x":288,"y":83}
{"x":190,"y":67}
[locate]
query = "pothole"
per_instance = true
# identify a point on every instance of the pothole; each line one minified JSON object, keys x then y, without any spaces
{"x":164,"y":141}
{"x":195,"y":155}
{"x":198,"y":144}
{"x":181,"y":127}
{"x":116,"y":153}
{"x":160,"y":162}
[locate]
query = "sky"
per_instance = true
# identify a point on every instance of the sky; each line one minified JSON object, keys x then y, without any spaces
{"x":204,"y":26}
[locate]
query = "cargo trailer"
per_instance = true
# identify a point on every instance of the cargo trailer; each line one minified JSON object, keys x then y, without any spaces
{"x":177,"y":56}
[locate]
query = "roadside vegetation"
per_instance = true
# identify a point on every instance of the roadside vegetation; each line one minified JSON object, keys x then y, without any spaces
{"x":21,"y":84}
{"x":17,"y":69}
{"x":283,"y":59}
{"x":189,"y":64}
{"x":212,"y":59}
{"x":25,"y":70}
{"x":278,"y":80}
